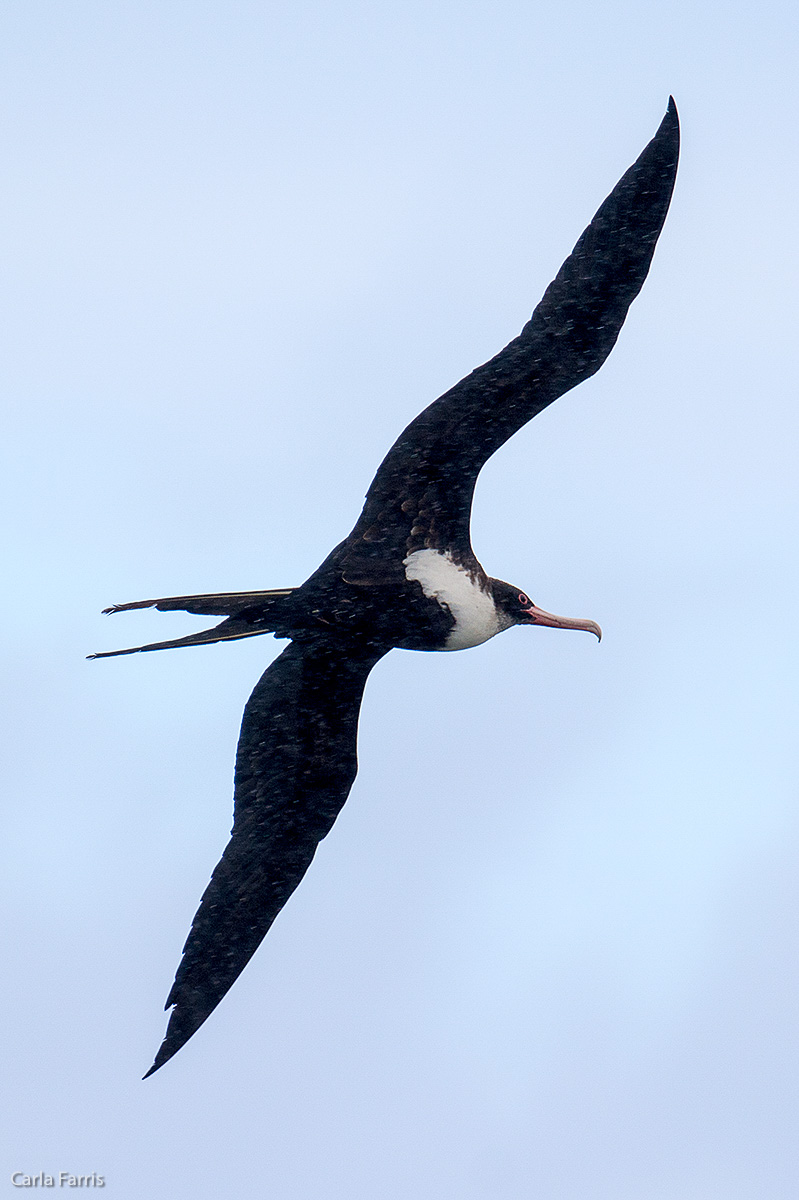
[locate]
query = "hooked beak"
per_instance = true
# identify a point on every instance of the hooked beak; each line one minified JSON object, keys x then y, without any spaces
{"x":537,"y":616}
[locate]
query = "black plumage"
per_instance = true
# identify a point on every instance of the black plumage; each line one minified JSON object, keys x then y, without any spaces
{"x":406,"y":576}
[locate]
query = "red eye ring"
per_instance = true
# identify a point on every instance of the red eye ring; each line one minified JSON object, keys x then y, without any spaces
{"x":524,"y":599}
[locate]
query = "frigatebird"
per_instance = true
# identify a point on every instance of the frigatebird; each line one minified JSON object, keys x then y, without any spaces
{"x":406,"y":576}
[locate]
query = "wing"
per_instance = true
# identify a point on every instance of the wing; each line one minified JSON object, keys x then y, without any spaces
{"x":295,"y":765}
{"x":422,"y":493}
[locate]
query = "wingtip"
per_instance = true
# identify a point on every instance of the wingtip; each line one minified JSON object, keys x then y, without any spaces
{"x":664,"y":149}
{"x":670,"y":125}
{"x":672,"y":116}
{"x":184,"y":1021}
{"x":165,"y":1052}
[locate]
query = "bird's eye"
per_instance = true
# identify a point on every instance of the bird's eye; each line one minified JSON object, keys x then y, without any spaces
{"x":523,"y":599}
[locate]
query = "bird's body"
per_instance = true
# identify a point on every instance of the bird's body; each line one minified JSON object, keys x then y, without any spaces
{"x":405,"y":577}
{"x":463,"y":592}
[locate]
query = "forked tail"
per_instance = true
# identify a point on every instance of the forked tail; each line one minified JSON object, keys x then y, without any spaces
{"x":247,"y":614}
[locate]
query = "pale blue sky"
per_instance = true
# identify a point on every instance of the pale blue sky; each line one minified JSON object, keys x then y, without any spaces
{"x":550,"y":948}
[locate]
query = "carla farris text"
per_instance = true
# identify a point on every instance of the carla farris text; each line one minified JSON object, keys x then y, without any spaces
{"x":62,"y":1179}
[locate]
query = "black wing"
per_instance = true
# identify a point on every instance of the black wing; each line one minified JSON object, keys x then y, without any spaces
{"x":295,"y":765}
{"x":422,"y":493}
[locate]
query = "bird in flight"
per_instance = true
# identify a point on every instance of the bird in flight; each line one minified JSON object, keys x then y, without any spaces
{"x":406,"y":576}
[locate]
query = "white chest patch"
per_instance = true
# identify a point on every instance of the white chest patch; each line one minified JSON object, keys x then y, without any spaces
{"x":476,"y":616}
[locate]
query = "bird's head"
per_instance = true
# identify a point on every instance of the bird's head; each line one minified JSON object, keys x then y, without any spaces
{"x":518,"y":609}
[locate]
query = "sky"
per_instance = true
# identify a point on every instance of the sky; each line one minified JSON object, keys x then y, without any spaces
{"x":551,"y":946}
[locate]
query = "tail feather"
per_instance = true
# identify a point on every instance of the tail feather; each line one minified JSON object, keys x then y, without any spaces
{"x":226,"y":631}
{"x":247,"y":614}
{"x":216,"y":604}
